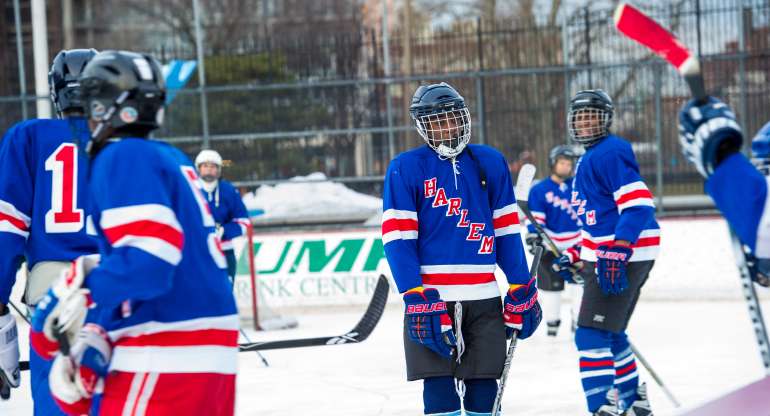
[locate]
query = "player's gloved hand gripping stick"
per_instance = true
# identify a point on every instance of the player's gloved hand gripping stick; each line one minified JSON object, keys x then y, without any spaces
{"x":523,"y":184}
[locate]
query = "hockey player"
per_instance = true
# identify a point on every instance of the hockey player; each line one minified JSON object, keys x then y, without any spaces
{"x":161,"y":334}
{"x":711,"y":140}
{"x":449,"y":215}
{"x":620,"y":242}
{"x":225,"y":203}
{"x":42,"y":211}
{"x":549,"y":203}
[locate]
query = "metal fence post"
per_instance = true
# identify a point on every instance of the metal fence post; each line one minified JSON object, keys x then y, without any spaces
{"x":743,"y":106}
{"x":480,"y":85}
{"x":657,"y":71}
{"x":20,"y":57}
{"x":201,"y":74}
{"x":565,"y":58}
{"x":386,"y":64}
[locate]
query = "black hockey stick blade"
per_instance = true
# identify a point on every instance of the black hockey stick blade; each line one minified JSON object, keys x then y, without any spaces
{"x":359,"y":333}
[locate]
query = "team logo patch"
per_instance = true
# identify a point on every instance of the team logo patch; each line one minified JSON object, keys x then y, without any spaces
{"x":128,"y":115}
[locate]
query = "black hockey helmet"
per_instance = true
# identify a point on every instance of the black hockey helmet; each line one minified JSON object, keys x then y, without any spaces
{"x":124,"y":93}
{"x":63,"y":79}
{"x":562,"y":151}
{"x":590,"y":106}
{"x":442,"y":119}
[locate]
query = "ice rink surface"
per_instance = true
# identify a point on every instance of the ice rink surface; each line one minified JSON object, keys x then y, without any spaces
{"x":691,"y":324}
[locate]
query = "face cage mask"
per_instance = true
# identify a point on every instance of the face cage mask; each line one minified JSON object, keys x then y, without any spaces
{"x":588,"y":134}
{"x":447,"y":133}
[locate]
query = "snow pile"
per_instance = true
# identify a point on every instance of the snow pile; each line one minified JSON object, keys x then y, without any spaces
{"x":308,"y":199}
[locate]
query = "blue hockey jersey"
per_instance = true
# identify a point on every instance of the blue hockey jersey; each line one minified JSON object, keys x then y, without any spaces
{"x":42,"y":196}
{"x":161,"y":289}
{"x":229,"y":212}
{"x":613,"y":201}
{"x":740,"y":192}
{"x":550,"y":206}
{"x":442,"y":230}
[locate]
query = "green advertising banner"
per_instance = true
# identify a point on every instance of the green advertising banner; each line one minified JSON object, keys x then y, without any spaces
{"x":308,"y":269}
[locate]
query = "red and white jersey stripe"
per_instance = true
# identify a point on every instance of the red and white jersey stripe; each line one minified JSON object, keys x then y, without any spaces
{"x":12,"y":220}
{"x":506,"y":220}
{"x":398,"y":225}
{"x":152,"y":228}
{"x":645,"y":248}
{"x":632,"y":195}
{"x":202,"y":345}
{"x":566,"y":239}
{"x":539,"y":217}
{"x":461,"y":281}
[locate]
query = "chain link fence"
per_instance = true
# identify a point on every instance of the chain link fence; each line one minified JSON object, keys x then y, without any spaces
{"x":281,"y":105}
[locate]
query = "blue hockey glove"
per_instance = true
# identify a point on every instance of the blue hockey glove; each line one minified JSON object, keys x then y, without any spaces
{"x":708,"y":133}
{"x":611,"y":267}
{"x":522,"y":311}
{"x":428,"y":322}
{"x":568,"y":259}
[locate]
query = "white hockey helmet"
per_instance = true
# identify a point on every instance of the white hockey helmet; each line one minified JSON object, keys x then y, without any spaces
{"x":208,"y":156}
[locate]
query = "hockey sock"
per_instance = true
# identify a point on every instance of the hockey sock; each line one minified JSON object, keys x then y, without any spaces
{"x":550,"y":301}
{"x":439,"y":396}
{"x":480,"y":396}
{"x":626,"y":376}
{"x":597,"y":367}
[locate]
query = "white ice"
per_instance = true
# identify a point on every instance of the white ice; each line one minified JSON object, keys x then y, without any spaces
{"x":691,"y":324}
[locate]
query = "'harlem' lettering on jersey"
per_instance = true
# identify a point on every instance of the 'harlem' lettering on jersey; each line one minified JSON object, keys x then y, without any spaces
{"x":550,"y":205}
{"x":615,"y":203}
{"x":442,"y":230}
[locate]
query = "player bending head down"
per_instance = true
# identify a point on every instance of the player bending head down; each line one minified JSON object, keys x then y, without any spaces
{"x":157,"y":310}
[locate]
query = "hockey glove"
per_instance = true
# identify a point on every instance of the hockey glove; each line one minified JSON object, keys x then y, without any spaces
{"x":522,"y":311}
{"x":611,"y":267}
{"x":75,"y":378}
{"x":533,"y":240}
{"x":566,"y":263}
{"x":428,"y":322}
{"x":708,"y":133}
{"x":63,"y":309}
{"x":9,"y":355}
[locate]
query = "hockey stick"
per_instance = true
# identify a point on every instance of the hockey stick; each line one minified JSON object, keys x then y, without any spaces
{"x":512,"y":346}
{"x":639,"y":27}
{"x":262,"y":357}
{"x":359,"y":333}
{"x":523,"y":184}
{"x":655,"y":376}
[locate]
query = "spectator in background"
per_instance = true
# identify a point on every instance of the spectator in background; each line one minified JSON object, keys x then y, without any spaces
{"x":225,"y":202}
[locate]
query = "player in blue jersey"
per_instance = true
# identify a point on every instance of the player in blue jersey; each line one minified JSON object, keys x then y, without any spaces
{"x":620,"y":242}
{"x":549,"y":203}
{"x":449,"y":219}
{"x":43,"y":211}
{"x":225,"y":203}
{"x":711,"y":140}
{"x":161,"y":326}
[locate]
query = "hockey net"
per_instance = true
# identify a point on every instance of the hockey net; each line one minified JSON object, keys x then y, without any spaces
{"x":257,"y":311}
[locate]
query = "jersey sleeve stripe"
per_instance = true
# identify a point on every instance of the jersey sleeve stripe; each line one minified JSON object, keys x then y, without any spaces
{"x":506,"y":220}
{"x":399,"y":225}
{"x":15,"y":221}
{"x":633,"y":194}
{"x":501,"y":212}
{"x":153,"y":327}
{"x":398,"y":214}
{"x":154,"y":212}
{"x":156,"y":247}
{"x":627,"y":188}
{"x":511,"y":229}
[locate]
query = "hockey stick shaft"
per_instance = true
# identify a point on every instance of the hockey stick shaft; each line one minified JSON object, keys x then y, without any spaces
{"x":654,"y":375}
{"x":750,"y":295}
{"x":262,"y":357}
{"x":358,"y":334}
{"x":514,"y":338}
{"x":524,"y":206}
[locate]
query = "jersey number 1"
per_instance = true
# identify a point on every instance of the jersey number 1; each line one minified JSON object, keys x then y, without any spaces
{"x":64,"y":216}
